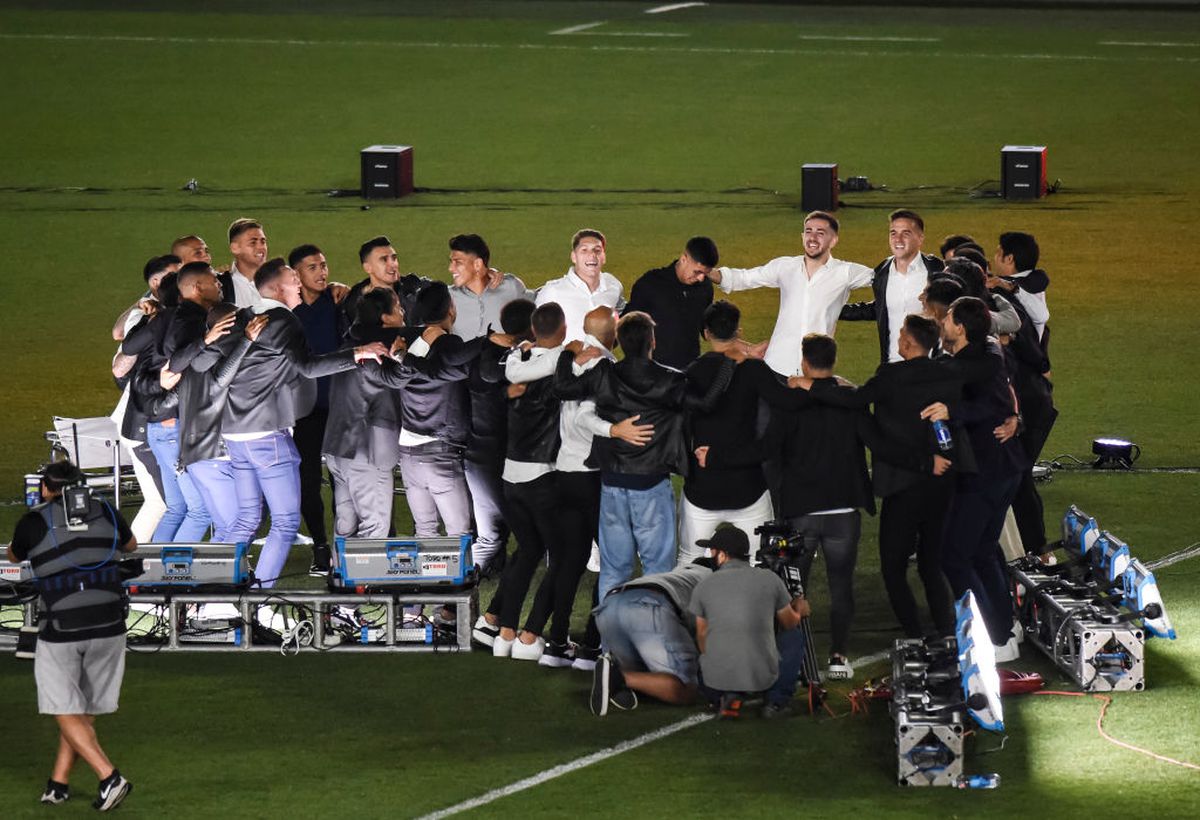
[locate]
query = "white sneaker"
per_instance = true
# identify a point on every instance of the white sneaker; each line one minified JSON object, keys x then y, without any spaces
{"x":839,"y":668}
{"x":1008,"y":652}
{"x":522,"y":651}
{"x":502,"y":648}
{"x":1018,"y":630}
{"x":593,"y":564}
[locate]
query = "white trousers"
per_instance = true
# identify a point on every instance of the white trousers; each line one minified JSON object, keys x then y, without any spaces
{"x":696,"y":523}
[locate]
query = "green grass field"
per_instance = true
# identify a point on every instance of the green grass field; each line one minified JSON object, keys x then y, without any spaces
{"x":524,"y":136}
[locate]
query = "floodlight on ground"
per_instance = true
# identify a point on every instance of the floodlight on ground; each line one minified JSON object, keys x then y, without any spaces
{"x":977,"y":664}
{"x":1142,"y":595}
{"x":1115,"y":454}
{"x":1079,"y":531}
{"x":1110,"y":557}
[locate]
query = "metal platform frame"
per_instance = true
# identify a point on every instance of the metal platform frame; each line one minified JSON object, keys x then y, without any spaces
{"x":464,"y":602}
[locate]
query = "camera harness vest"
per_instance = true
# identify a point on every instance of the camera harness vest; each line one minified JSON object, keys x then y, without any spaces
{"x":76,"y":571}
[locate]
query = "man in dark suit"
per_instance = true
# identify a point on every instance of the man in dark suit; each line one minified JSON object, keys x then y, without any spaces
{"x":265,"y":399}
{"x":898,"y":282}
{"x":914,"y":503}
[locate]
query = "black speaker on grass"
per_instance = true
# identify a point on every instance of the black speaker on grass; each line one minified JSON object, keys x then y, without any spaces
{"x":819,"y":186}
{"x":1023,"y":171}
{"x":387,"y":171}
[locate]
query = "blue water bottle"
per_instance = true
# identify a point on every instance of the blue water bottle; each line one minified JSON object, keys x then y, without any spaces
{"x":941,"y":432}
{"x":978,"y":781}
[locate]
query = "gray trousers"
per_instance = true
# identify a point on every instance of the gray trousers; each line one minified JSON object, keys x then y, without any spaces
{"x":362,"y":494}
{"x":436,"y":486}
{"x":487,"y":498}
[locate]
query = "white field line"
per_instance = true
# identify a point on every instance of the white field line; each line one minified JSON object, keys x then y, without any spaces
{"x":569,"y":767}
{"x":633,"y":33}
{"x":673,"y":7}
{"x":1150,"y":45}
{"x":784,"y":52}
{"x":579,"y":28}
{"x":852,"y":38}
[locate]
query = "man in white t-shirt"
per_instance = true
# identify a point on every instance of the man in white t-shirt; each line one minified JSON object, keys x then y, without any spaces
{"x":586,"y":285}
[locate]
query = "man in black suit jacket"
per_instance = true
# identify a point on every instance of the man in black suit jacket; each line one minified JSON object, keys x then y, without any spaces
{"x":914,"y":504}
{"x":898,"y":282}
{"x":262,"y":406}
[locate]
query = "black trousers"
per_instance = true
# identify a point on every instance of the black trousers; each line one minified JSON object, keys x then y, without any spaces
{"x":836,"y":536}
{"x":532,"y":517}
{"x":1027,"y":504}
{"x":308,"y":434}
{"x":912,"y":521}
{"x":971,"y":555}
{"x":578,"y":516}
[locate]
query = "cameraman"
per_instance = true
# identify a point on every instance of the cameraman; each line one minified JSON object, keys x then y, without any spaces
{"x":737,"y":611}
{"x":80,"y":658}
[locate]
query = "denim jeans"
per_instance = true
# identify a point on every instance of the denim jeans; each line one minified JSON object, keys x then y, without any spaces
{"x":213,"y":478}
{"x":186,"y":518}
{"x":635,"y":522}
{"x":267,"y":467}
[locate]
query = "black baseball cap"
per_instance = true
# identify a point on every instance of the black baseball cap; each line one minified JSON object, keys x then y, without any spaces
{"x":728,"y":539}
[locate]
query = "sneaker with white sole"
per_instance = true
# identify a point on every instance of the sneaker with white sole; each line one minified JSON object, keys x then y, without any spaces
{"x":502,"y":648}
{"x":1009,"y":651}
{"x":593,"y":564}
{"x":483,"y":632}
{"x":522,"y":651}
{"x":56,"y":793}
{"x":839,"y":668}
{"x":585,"y":658}
{"x":609,"y":688}
{"x":113,"y":789}
{"x":557,"y":655}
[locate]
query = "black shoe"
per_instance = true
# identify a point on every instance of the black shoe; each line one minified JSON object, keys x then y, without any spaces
{"x":771,"y":711}
{"x":322,"y":558}
{"x":586,"y":658}
{"x":56,"y":793}
{"x":557,"y":655}
{"x":730,"y":707}
{"x":113,"y":789}
{"x":598,"y":701}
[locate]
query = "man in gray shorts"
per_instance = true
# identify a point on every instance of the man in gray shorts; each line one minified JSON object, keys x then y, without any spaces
{"x":651,"y":640}
{"x":73,"y":546}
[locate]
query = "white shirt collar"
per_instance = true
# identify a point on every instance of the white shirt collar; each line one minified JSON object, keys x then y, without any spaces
{"x":266,"y":304}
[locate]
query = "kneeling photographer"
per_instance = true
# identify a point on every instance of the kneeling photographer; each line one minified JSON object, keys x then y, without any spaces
{"x":650,"y":638}
{"x":72,"y":542}
{"x":737,"y":611}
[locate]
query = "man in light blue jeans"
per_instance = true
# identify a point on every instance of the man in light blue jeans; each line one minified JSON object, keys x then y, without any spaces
{"x":635,"y":520}
{"x":186,"y":518}
{"x":267,"y":467}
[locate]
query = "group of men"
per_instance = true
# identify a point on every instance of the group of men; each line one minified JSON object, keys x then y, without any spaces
{"x":507,"y":411}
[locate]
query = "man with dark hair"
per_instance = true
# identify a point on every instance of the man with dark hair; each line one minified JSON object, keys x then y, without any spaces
{"x":675,"y":296}
{"x":586,"y":284}
{"x":813,"y":288}
{"x":435,"y":417}
{"x":152,"y":272}
{"x":248,"y":244}
{"x":971,"y":556}
{"x":79,"y":663}
{"x":952,"y":243}
{"x":324,"y":325}
{"x":737,"y":493}
{"x":914,"y":502}
{"x":898,"y":282}
{"x":263,"y":405}
{"x":479,"y":291}
{"x":968,"y":271}
{"x":744,"y":617}
{"x":939,"y":294}
{"x":1017,"y":273}
{"x":382,"y":266}
{"x":361,"y":438}
{"x":637,"y":504}
{"x":530,"y":497}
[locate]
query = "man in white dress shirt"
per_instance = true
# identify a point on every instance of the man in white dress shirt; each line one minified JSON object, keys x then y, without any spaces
{"x":898,"y":282}
{"x":586,"y":286}
{"x":813,"y":288}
